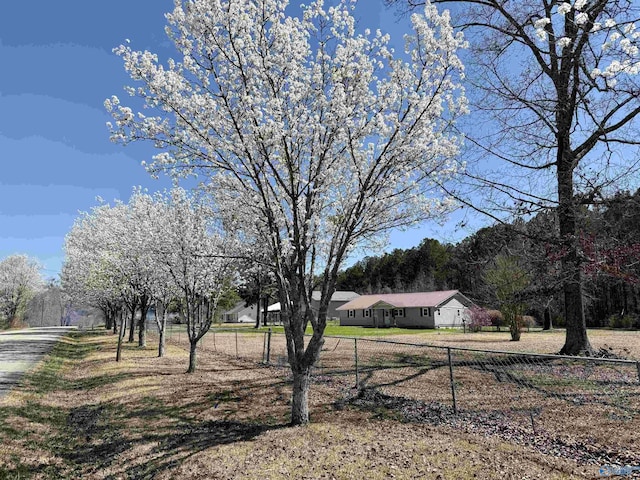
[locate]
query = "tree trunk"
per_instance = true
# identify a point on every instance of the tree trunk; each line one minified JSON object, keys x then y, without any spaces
{"x":123,"y":325}
{"x":162,"y":325}
{"x":132,"y":325}
{"x":576,"y":340}
{"x":192,"y":357}
{"x":515,"y":323}
{"x":259,"y":310}
{"x":142,"y":324}
{"x":265,"y":311}
{"x":300,"y":397}
{"x":108,"y":319}
{"x":547,"y":319}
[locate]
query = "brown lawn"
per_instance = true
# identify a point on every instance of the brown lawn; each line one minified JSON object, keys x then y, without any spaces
{"x":90,"y":417}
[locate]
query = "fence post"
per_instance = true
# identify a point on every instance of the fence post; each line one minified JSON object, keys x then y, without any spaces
{"x":355,"y":352}
{"x":214,"y":341}
{"x":453,"y":386}
{"x":264,"y":347}
{"x":638,"y":368}
{"x":269,"y":346}
{"x":236,"y":344}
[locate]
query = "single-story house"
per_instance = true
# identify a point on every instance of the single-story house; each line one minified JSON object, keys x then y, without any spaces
{"x":241,"y":313}
{"x":421,"y":310}
{"x":337,"y":299}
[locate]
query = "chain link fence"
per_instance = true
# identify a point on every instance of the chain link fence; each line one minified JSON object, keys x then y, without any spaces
{"x":597,"y":398}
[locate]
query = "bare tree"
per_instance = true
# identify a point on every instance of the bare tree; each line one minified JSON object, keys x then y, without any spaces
{"x":557,"y":85}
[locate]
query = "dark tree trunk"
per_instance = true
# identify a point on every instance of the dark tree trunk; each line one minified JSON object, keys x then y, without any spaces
{"x":161,"y":343}
{"x":576,"y":340}
{"x":265,"y":310}
{"x":547,"y":319}
{"x":192,"y":356}
{"x":123,"y":325}
{"x":142,"y":323}
{"x":132,"y":324}
{"x":108,"y":318}
{"x":161,"y":321}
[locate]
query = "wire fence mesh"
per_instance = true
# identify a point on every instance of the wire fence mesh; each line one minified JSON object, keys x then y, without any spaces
{"x":599,"y":398}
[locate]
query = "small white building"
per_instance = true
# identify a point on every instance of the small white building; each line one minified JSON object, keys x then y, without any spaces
{"x":420,"y":310}
{"x":241,"y":313}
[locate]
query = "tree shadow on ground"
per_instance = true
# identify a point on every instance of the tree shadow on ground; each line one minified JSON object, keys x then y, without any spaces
{"x":172,"y":444}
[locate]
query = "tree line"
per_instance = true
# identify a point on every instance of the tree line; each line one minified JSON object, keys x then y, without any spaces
{"x":610,"y":244}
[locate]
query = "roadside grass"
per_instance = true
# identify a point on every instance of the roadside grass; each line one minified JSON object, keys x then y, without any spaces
{"x":82,"y":415}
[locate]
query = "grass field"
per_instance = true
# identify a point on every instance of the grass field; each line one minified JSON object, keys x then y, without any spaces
{"x":81,"y":415}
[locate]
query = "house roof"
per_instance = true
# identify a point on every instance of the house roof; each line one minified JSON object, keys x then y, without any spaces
{"x":338,"y":296}
{"x":274,"y":308}
{"x":403,"y":300}
{"x":237,"y":308}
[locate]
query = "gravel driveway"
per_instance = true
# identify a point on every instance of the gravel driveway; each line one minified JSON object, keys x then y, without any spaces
{"x":20,"y":350}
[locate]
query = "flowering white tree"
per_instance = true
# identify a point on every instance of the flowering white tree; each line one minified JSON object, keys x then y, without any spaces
{"x":91,"y":273}
{"x":191,"y":252}
{"x":19,"y":279}
{"x":558,"y":82}
{"x":321,"y":136}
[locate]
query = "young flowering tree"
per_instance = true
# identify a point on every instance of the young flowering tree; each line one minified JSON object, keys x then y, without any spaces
{"x":191,"y":251}
{"x":478,"y":318}
{"x":321,"y":136}
{"x":163,"y":288}
{"x":19,"y":279}
{"x":90,"y":274}
{"x":557,"y":85}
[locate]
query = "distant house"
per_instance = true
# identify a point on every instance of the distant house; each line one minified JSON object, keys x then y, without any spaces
{"x":241,"y":313}
{"x":421,"y":310}
{"x":337,"y":299}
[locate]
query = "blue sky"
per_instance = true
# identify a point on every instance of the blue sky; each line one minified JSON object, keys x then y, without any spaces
{"x":56,"y":157}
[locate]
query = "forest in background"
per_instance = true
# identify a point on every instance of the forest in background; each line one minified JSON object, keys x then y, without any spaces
{"x":610,"y":243}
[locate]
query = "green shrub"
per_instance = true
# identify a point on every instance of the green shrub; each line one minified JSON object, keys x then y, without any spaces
{"x":620,"y":321}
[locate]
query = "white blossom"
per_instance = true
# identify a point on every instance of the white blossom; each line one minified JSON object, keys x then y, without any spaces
{"x":580,"y":4}
{"x":581,"y":18}
{"x":563,"y":42}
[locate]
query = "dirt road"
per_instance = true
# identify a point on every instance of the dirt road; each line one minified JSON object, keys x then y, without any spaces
{"x":20,"y":350}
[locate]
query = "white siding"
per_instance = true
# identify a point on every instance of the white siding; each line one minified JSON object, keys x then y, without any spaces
{"x":450,"y":314}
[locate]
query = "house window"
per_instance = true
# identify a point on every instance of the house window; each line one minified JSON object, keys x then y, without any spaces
{"x":367,"y":312}
{"x":426,"y":311}
{"x":351,"y":313}
{"x":386,"y":313}
{"x":398,"y":312}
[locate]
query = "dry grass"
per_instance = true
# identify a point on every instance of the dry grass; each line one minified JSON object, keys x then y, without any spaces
{"x":623,"y":343}
{"x":81,"y":415}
